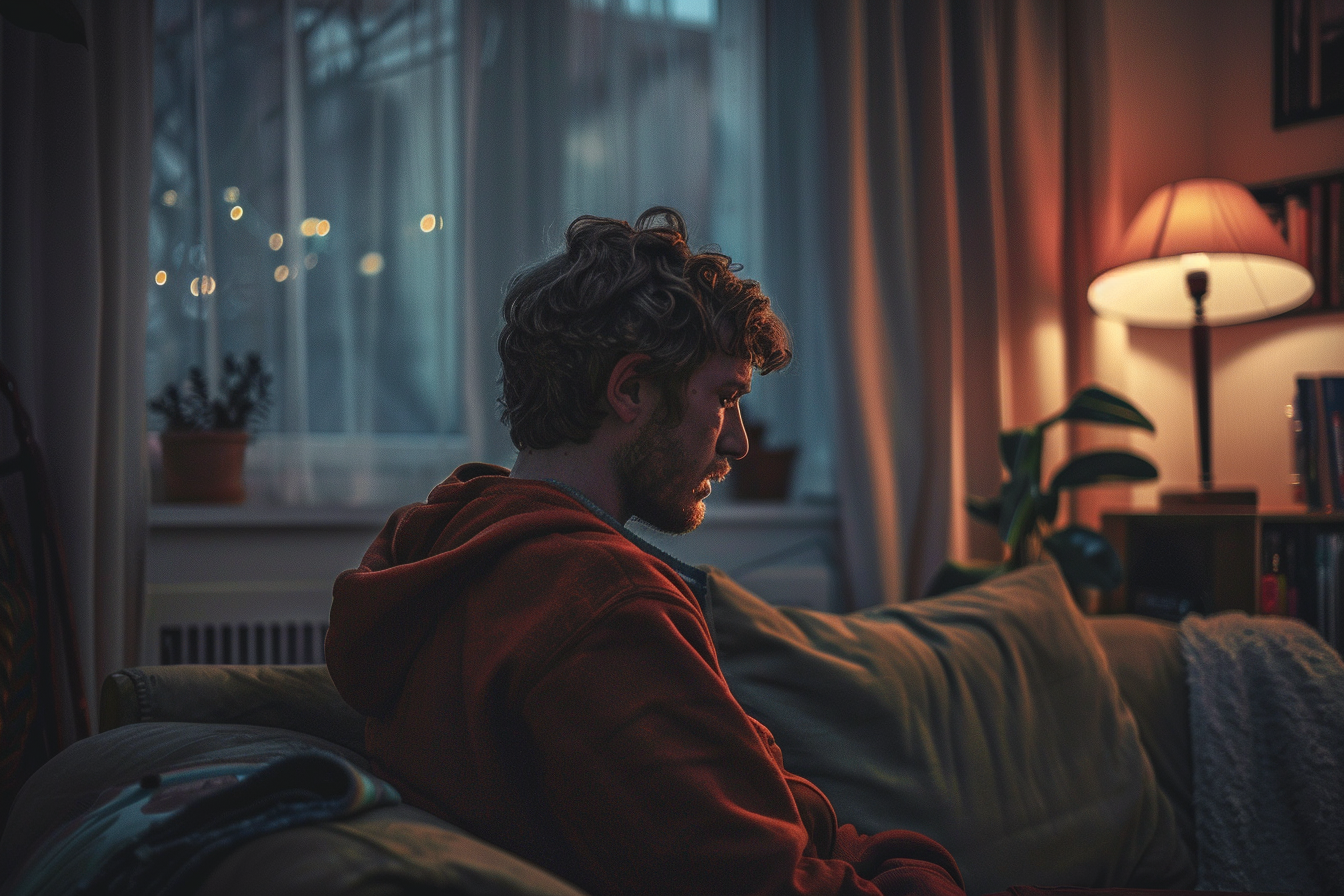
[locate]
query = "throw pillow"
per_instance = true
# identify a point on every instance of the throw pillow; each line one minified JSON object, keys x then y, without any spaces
{"x":986,"y":719}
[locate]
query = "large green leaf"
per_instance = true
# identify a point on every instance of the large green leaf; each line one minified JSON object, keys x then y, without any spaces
{"x":1095,"y":405}
{"x":1018,"y":514}
{"x":1099,"y":467}
{"x":952,"y":575}
{"x":1019,"y":448}
{"x":986,"y":510}
{"x":1086,"y":557}
{"x":1047,"y":506}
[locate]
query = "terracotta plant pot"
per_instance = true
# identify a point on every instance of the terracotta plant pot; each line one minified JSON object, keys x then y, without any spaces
{"x":204,"y":467}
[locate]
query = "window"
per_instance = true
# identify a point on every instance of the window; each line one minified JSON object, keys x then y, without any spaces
{"x":313,"y":162}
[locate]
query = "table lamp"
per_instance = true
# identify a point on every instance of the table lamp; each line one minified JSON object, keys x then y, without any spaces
{"x":1200,"y":253}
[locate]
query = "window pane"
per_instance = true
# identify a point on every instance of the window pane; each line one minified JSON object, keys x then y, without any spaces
{"x":330,"y":220}
{"x":325,"y":204}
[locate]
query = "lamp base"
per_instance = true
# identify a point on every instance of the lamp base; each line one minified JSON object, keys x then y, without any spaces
{"x":1209,"y":500}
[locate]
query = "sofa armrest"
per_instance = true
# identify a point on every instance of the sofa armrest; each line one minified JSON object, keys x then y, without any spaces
{"x":294,"y":698}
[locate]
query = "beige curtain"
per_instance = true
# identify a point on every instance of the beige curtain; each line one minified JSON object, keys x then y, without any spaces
{"x":946,"y":126}
{"x":74,"y":198}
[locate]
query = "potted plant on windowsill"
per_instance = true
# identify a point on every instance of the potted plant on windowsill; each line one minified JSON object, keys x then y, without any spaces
{"x":204,"y":437}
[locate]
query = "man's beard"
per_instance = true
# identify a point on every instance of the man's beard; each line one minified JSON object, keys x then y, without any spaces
{"x":658,"y":483}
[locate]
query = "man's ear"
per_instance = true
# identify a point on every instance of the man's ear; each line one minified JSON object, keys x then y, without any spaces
{"x":627,"y":390}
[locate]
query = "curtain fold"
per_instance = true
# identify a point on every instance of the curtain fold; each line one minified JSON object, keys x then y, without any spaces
{"x":74,"y":198}
{"x":514,"y":61}
{"x":945,"y":167}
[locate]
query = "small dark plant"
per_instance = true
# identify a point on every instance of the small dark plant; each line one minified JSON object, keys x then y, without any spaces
{"x":1025,"y":513}
{"x":244,"y":398}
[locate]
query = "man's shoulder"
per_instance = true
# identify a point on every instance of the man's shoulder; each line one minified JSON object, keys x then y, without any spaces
{"x":597,"y":562}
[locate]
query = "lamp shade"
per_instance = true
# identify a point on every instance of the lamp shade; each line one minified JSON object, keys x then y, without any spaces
{"x":1206,"y":224}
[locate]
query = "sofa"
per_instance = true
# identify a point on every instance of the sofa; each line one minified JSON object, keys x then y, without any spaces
{"x":1043,"y":747}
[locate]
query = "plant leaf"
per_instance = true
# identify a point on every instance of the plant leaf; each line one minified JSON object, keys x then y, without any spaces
{"x":952,"y":575}
{"x":1095,"y":405}
{"x":1018,"y":513}
{"x":986,"y":510}
{"x":1086,"y":557}
{"x":1020,"y":450}
{"x":1048,"y":506}
{"x":1097,"y":467}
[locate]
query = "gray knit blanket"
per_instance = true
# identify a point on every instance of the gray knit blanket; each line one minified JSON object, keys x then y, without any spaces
{"x":1267,"y":740}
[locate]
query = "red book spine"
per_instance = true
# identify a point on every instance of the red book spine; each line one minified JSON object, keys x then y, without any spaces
{"x":1269,"y":595}
{"x":1316,"y":250}
{"x":1334,"y":262}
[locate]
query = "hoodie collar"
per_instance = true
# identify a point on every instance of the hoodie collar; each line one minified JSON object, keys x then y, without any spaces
{"x":696,"y":579}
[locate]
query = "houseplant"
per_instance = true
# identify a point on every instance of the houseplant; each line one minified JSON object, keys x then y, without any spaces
{"x":204,"y":437}
{"x":1024,"y":512}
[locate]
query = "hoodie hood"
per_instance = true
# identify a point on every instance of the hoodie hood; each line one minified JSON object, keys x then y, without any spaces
{"x":418,"y":565}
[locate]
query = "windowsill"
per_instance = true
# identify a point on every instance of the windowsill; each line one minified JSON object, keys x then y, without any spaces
{"x":722,"y":514}
{"x":264,"y":516}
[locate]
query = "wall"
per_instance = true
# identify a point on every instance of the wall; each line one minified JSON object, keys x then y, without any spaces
{"x":1188,"y":94}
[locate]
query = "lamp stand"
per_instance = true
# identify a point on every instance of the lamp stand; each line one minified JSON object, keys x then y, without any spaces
{"x":1198,"y":284}
{"x":1207,"y":499}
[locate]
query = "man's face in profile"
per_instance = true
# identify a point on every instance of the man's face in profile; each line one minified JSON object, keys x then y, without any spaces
{"x":665,"y":472}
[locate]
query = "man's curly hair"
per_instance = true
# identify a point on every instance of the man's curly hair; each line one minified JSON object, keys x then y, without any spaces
{"x":617,"y":290}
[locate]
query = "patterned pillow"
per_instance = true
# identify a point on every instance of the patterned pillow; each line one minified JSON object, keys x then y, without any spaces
{"x":986,"y":719}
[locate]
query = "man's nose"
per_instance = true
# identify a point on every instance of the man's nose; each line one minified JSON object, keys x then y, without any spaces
{"x":733,"y":438}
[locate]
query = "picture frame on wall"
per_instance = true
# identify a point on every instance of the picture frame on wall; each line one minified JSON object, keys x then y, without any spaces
{"x":1308,"y":60}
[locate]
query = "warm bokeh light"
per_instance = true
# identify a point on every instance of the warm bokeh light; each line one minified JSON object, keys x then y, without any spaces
{"x":310,"y":260}
{"x":230,"y":194}
{"x":427,"y":223}
{"x":161,"y":277}
{"x":308,"y":227}
{"x":236,"y":212}
{"x":323,"y":227}
{"x":277,"y":241}
{"x":202,"y":286}
{"x":371,"y":264}
{"x":170,"y":197}
{"x":281,"y":273}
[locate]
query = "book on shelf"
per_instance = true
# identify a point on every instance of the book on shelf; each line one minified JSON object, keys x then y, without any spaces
{"x":1329,"y":547}
{"x":1306,"y":445}
{"x":1332,"y":422}
{"x":1318,"y":213}
{"x":1273,"y":594}
{"x":1309,"y":213}
{"x":1334,"y":262}
{"x":1302,"y":575}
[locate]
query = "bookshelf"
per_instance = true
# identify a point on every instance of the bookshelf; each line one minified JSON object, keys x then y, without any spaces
{"x":1310,"y":213}
{"x":1288,"y":563}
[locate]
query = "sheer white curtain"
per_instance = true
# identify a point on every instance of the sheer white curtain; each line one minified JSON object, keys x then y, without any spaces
{"x":444,"y":146}
{"x":608,"y":108}
{"x":305,"y":158}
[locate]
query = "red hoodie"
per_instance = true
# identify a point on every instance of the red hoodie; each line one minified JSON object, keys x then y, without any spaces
{"x":533,"y":676}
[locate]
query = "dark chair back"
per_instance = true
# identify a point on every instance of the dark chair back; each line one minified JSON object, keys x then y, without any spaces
{"x":43,"y":707}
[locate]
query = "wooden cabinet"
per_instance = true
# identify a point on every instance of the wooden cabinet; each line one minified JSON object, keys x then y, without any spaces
{"x":1177,"y":563}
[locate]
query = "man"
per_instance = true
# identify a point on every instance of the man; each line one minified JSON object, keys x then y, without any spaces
{"x":534,"y":673}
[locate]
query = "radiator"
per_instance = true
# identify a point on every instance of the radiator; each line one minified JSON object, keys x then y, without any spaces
{"x":262,"y":622}
{"x":275,"y":643}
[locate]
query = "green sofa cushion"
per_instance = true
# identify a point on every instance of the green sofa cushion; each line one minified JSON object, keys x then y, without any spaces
{"x":987,"y":719}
